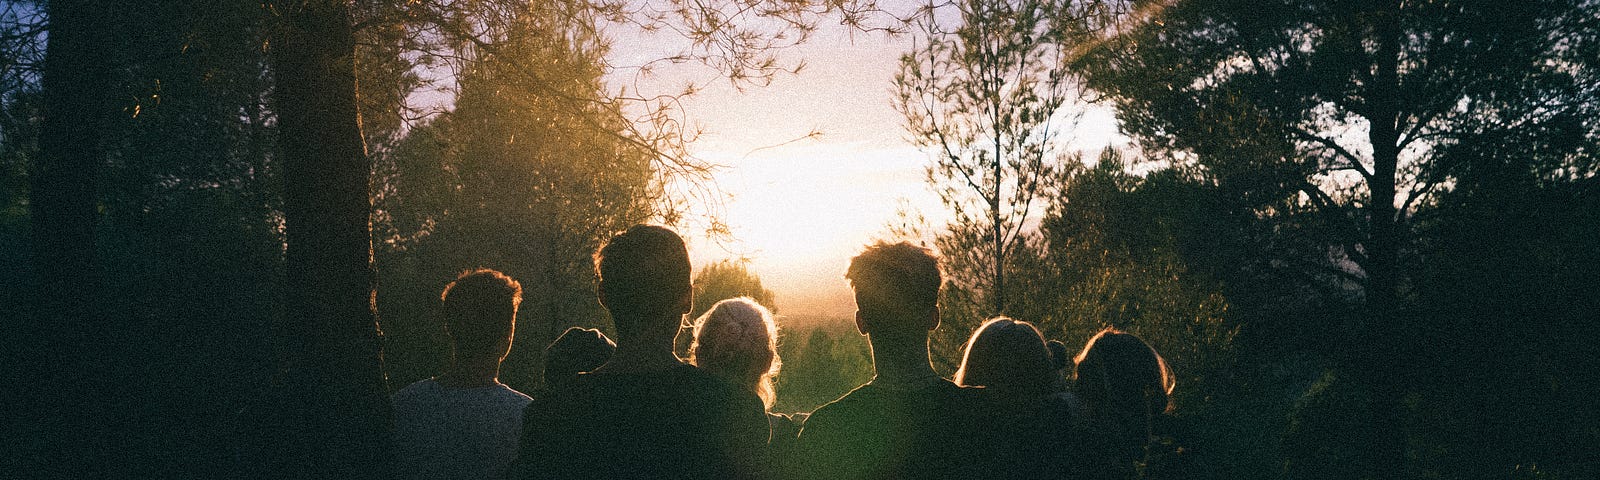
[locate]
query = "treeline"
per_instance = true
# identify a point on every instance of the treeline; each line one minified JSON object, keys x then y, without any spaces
{"x":1364,"y":233}
{"x":181,"y":263}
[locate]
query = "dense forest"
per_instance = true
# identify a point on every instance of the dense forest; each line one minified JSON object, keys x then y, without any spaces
{"x":1364,"y":233}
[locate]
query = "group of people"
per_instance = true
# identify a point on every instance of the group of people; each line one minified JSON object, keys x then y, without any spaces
{"x":634,"y":409}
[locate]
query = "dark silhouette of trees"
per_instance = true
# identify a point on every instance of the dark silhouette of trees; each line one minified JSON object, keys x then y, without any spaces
{"x":335,"y":350}
{"x":1359,"y":113}
{"x":1393,"y":204}
{"x":62,"y":344}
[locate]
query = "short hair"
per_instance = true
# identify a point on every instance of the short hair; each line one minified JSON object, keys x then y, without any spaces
{"x":577,"y":350}
{"x":737,"y":339}
{"x":895,"y":280}
{"x":1119,"y":372}
{"x":480,"y":311}
{"x":642,"y":272}
{"x":1009,"y":355}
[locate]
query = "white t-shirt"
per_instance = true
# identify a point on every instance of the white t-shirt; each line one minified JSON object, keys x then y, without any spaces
{"x":445,"y":433}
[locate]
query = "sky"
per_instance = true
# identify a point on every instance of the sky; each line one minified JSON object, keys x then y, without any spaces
{"x":800,"y":207}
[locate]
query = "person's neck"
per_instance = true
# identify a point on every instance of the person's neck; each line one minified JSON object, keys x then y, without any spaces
{"x":901,"y":362}
{"x":648,"y":352}
{"x":471,"y":373}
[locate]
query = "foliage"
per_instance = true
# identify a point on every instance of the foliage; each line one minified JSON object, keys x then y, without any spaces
{"x":1321,"y":449}
{"x":1344,"y":126}
{"x":724,"y":279}
{"x":1111,"y":258}
{"x":1503,"y":277}
{"x":1357,"y":110}
{"x":1247,"y":263}
{"x":821,"y":362}
{"x":21,"y":53}
{"x":513,"y":179}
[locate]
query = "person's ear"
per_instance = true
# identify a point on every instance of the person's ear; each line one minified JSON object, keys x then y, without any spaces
{"x":686,"y":302}
{"x":861,"y":326}
{"x":933,"y":318}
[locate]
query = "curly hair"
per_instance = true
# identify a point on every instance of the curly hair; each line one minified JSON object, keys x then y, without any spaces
{"x":737,"y":339}
{"x":480,"y":311}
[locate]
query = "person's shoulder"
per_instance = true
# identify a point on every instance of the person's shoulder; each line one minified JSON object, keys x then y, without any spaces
{"x":506,"y":395}
{"x":847,"y":406}
{"x":690,"y":374}
{"x":695,"y":381}
{"x":426,"y":387}
{"x":946,"y":387}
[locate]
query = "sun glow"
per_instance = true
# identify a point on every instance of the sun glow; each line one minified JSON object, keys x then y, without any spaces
{"x":817,"y":166}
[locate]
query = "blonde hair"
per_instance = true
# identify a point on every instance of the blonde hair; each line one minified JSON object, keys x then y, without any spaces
{"x":737,"y":339}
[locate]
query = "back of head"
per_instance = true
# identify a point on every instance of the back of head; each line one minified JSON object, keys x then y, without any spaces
{"x":576,"y":351}
{"x":644,"y":276}
{"x":896,"y":285}
{"x":1119,"y":373}
{"x":1007,"y":355}
{"x":737,"y":339}
{"x":480,"y":312}
{"x":1059,"y":355}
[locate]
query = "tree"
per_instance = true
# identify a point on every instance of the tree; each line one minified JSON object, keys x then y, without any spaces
{"x":1112,"y":255}
{"x":1358,"y":111}
{"x":518,"y":179}
{"x":65,"y":341}
{"x":718,"y":281}
{"x":335,"y":370}
{"x":725,"y":279}
{"x":984,"y":99}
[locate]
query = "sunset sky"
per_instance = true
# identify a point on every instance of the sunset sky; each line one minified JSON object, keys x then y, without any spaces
{"x":800,"y":209}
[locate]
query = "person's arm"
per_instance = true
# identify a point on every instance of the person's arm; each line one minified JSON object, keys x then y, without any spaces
{"x":747,"y":435}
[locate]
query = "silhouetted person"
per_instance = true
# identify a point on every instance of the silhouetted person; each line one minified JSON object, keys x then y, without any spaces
{"x":1027,"y":429}
{"x":464,"y":423}
{"x":907,"y":422}
{"x":644,"y":414}
{"x":737,"y":339}
{"x":1061,"y":358}
{"x":1124,"y":385}
{"x":578,"y":350}
{"x":1010,"y":357}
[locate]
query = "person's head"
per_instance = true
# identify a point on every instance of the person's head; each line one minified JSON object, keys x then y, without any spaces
{"x":480,"y":314}
{"x":578,"y":350}
{"x":644,"y":282}
{"x":738,"y":340}
{"x":1059,"y":356}
{"x":1007,"y":355}
{"x":1118,"y":374}
{"x":897,"y":290}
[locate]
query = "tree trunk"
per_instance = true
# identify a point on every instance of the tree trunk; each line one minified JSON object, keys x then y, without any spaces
{"x":343,"y":420}
{"x":1382,"y":337}
{"x":994,"y":217}
{"x":63,"y":347}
